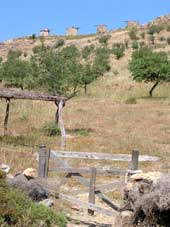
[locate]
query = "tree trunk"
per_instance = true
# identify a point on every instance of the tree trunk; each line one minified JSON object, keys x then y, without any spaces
{"x":153,"y":87}
{"x":6,"y":116}
{"x":85,"y":89}
{"x":60,"y":123}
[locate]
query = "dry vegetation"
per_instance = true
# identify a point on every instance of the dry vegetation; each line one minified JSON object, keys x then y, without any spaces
{"x":116,"y":116}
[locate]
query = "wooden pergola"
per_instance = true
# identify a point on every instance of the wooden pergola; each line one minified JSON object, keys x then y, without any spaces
{"x":9,"y":94}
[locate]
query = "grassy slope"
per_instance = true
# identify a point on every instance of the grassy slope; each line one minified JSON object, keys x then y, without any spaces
{"x":104,"y":120}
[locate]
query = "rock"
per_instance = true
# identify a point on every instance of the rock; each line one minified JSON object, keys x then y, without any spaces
{"x":31,"y":187}
{"x":124,"y":219}
{"x":9,"y":176}
{"x":5,"y":168}
{"x":47,"y":202}
{"x":30,"y":173}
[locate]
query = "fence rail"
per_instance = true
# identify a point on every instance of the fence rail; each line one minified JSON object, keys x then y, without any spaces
{"x":94,"y":190}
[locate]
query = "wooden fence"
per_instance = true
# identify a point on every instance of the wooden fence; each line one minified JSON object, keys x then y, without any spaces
{"x":94,"y":190}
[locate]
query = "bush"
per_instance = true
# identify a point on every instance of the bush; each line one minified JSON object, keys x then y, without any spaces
{"x":33,"y":36}
{"x":162,"y":38}
{"x":131,"y":100}
{"x":142,"y":35}
{"x":14,"y":54}
{"x":154,"y":29}
{"x":37,"y":49}
{"x":50,"y":129}
{"x":142,"y":44}
{"x":18,"y":210}
{"x":152,"y":39}
{"x":60,"y":43}
{"x":104,"y":39}
{"x":168,"y":28}
{"x":118,"y":50}
{"x":168,"y":40}
{"x":87,"y":50}
{"x":135,"y":45}
{"x":133,"y":34}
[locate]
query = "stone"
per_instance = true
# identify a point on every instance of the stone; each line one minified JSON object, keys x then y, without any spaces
{"x":5,"y":168}
{"x":34,"y":189}
{"x":47,"y":202}
{"x":30,"y":172}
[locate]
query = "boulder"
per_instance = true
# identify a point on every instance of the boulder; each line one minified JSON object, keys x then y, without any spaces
{"x":147,"y":195}
{"x":32,"y":187}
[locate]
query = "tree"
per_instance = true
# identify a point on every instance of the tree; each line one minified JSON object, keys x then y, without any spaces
{"x":15,"y":72}
{"x":149,"y":66}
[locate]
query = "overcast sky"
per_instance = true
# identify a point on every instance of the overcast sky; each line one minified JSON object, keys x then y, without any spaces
{"x":25,"y":17}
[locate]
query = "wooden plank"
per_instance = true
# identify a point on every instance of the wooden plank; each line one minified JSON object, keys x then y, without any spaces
{"x":102,"y":156}
{"x":112,"y":171}
{"x":83,"y":181}
{"x":24,"y":94}
{"x":92,"y":189}
{"x":112,"y":186}
{"x":86,"y":205}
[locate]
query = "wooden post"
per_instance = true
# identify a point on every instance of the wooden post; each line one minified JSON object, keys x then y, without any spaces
{"x":92,"y":189}
{"x":43,"y":161}
{"x":6,"y":116}
{"x":47,"y":158}
{"x":135,"y":160}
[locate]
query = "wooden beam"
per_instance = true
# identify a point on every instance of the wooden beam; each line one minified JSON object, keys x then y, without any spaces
{"x":102,"y":156}
{"x":86,"y":205}
{"x":24,"y":94}
{"x":108,"y":187}
{"x":83,"y":181}
{"x":109,"y":172}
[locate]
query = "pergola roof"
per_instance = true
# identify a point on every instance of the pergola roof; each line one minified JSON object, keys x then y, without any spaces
{"x":24,"y":94}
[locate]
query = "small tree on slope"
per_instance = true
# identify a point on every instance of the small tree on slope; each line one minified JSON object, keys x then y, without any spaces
{"x":149,"y":66}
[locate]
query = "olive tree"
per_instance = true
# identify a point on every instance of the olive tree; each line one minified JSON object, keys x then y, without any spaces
{"x":149,"y":66}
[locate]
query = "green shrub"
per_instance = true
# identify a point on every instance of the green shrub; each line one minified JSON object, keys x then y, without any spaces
{"x":154,"y":29}
{"x":25,"y":54}
{"x":1,"y":59}
{"x":152,"y":39}
{"x":142,"y":44}
{"x":126,"y":44}
{"x":18,"y":210}
{"x":22,"y":140}
{"x":33,"y":36}
{"x":131,"y":100}
{"x":50,"y":129}
{"x":81,"y":131}
{"x":104,"y":39}
{"x":135,"y":45}
{"x":37,"y":49}
{"x":162,"y":38}
{"x":168,"y":28}
{"x":14,"y":54}
{"x":87,"y":50}
{"x":118,"y":50}
{"x":168,"y":40}
{"x":60,"y":43}
{"x":133,"y":34}
{"x":142,"y":35}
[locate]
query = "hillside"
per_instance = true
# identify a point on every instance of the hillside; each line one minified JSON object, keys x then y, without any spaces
{"x":115,"y":116}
